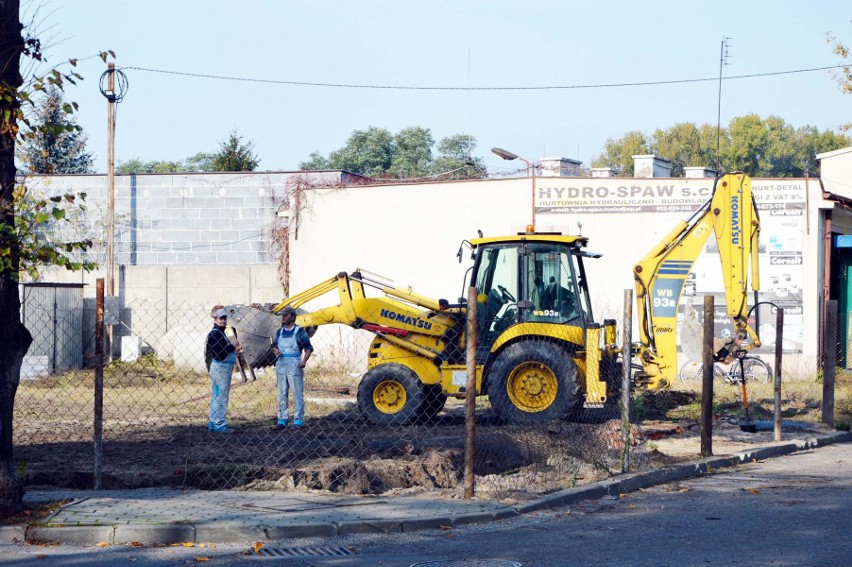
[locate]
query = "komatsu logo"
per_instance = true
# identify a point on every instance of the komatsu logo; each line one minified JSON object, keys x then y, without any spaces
{"x":735,"y":219}
{"x":405,"y":320}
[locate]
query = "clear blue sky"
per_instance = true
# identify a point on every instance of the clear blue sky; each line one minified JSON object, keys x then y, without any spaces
{"x":439,"y":43}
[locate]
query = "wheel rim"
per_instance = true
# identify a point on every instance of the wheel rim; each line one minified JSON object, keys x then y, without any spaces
{"x":756,"y":372}
{"x":532,"y":387}
{"x":389,"y":397}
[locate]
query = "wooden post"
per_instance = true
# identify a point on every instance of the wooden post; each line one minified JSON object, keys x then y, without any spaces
{"x":779,"y":350}
{"x":99,"y":381}
{"x":624,"y":402}
{"x":829,"y":361}
{"x":707,"y":381}
{"x":471,"y":338}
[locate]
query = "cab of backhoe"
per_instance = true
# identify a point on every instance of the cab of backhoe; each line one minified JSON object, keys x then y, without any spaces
{"x":529,"y":278}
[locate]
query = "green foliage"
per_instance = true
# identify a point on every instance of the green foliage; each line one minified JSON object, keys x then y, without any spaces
{"x":455,"y":159}
{"x":408,"y":154}
{"x":234,"y":155}
{"x":200,"y":162}
{"x":686,"y":144}
{"x":412,"y":153}
{"x":39,"y":224}
{"x":843,"y":77}
{"x":618,"y":154}
{"x":760,"y":147}
{"x":138,"y":166}
{"x":55,"y":143}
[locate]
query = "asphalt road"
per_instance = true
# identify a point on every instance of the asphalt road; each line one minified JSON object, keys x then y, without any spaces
{"x":792,"y":510}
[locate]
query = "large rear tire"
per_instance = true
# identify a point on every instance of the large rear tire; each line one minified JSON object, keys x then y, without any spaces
{"x":391,"y":394}
{"x":531,"y":382}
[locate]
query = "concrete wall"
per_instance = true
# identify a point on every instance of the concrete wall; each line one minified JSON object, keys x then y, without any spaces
{"x":185,"y":219}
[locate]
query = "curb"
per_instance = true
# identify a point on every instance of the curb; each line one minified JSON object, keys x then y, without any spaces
{"x":225,"y":533}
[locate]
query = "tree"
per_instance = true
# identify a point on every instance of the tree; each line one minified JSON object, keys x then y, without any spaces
{"x":760,"y":147}
{"x":367,"y":152}
{"x":412,"y":153}
{"x":618,"y":154}
{"x":58,"y":144}
{"x":408,"y":154}
{"x":22,"y":223}
{"x":199,"y":162}
{"x":136,"y":165}
{"x":234,"y":155}
{"x":843,"y":77}
{"x":684,"y":145}
{"x":14,"y":337}
{"x":315,"y":163}
{"x":455,"y":159}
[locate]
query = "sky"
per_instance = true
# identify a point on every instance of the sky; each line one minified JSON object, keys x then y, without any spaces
{"x":472,"y":63}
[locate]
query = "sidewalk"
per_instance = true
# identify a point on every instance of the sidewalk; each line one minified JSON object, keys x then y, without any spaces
{"x":174,"y":516}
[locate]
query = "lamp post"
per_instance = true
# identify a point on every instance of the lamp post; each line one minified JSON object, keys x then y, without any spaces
{"x":509,"y":156}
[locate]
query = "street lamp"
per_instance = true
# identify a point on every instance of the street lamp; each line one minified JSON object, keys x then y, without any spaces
{"x":509,"y":156}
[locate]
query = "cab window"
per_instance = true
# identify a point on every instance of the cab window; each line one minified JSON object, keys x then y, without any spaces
{"x":552,"y":287}
{"x":497,"y":283}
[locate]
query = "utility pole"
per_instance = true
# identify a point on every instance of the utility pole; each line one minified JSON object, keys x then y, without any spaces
{"x":110,"y":96}
{"x":113,"y":97}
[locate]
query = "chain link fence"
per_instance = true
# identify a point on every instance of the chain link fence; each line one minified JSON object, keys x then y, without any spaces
{"x":380,"y":415}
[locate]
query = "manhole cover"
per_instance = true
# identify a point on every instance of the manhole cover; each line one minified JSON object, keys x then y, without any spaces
{"x":305,"y":552}
{"x":468,"y":563}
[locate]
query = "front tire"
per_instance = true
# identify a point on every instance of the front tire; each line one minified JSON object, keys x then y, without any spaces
{"x":532,"y":382}
{"x":391,"y":394}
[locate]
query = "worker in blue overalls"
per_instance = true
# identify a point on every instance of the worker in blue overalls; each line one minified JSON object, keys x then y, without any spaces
{"x":293,"y":348}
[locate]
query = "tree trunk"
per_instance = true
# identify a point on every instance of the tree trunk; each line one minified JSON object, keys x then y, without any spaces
{"x":14,"y":337}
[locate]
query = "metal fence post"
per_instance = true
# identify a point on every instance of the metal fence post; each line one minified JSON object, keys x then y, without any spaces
{"x":470,"y":393}
{"x":829,"y":362}
{"x":779,"y":349}
{"x":624,"y":402}
{"x":707,"y":381}
{"x":99,"y":382}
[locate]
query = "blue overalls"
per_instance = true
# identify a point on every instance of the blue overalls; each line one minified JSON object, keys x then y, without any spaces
{"x":289,"y":375}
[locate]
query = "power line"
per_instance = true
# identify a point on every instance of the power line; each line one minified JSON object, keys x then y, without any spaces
{"x":422,"y":88}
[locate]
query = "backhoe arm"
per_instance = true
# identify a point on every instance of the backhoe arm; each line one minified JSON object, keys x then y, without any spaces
{"x":731,"y":215}
{"x":394,"y":317}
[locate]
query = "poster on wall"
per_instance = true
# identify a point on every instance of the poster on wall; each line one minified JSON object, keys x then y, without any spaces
{"x":781,"y":207}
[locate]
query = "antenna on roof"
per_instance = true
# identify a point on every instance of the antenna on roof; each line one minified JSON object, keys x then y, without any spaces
{"x":723,"y":60}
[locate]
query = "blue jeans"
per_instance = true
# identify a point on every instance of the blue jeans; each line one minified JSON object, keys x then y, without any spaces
{"x":220,"y":389}
{"x":289,"y":375}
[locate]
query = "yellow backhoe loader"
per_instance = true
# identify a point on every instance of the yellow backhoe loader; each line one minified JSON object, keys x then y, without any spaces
{"x":540,"y":352}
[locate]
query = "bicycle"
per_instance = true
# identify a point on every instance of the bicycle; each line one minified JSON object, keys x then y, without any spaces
{"x":755,"y":371}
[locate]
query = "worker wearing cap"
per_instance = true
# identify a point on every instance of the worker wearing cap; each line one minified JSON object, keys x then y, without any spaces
{"x":293,"y":348}
{"x":223,"y":354}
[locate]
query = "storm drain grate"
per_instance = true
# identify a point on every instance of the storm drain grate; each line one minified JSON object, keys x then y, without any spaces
{"x":305,"y":551}
{"x":468,"y":563}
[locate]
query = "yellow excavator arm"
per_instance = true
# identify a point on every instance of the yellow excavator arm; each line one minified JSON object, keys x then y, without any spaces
{"x":731,"y":214}
{"x":394,"y":316}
